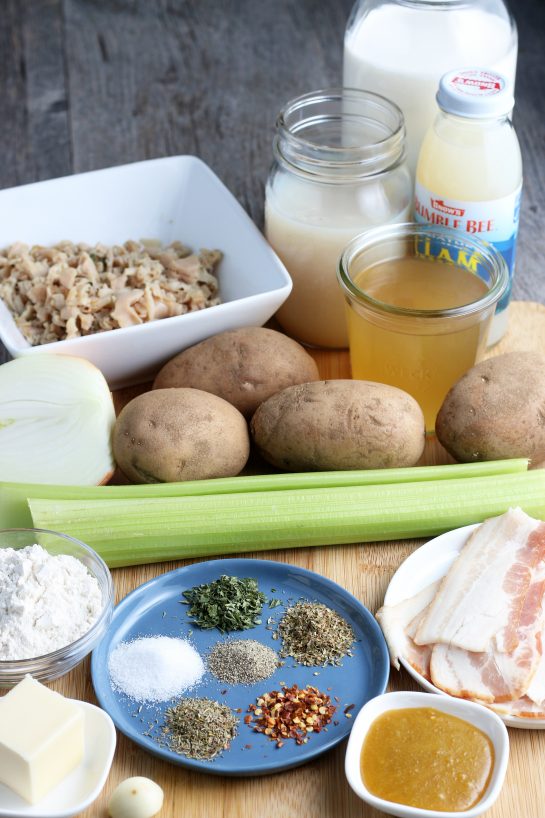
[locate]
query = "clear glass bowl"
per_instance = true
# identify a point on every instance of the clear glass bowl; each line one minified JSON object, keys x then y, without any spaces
{"x":58,"y":662}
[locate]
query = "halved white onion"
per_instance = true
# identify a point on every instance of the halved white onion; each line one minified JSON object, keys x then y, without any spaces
{"x":56,"y":421}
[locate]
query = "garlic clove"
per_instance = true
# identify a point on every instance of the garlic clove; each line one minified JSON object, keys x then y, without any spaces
{"x":136,"y":797}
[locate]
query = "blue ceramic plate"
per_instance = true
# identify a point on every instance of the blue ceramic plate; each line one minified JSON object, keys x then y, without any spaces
{"x":154,"y":609}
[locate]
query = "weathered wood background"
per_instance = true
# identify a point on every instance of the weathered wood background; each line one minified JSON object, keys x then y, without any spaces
{"x":86,"y":84}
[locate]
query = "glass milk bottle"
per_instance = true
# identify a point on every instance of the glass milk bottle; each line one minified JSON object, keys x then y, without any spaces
{"x":469,"y":173}
{"x":339,"y":169}
{"x":401,"y":49}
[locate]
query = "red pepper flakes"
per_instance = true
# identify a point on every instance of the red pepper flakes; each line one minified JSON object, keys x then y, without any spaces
{"x":292,"y":712}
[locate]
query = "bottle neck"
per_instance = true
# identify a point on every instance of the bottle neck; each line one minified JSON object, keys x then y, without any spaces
{"x":474,"y":122}
{"x":340,"y":135}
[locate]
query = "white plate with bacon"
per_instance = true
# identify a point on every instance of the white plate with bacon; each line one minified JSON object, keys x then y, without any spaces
{"x":465,"y":615}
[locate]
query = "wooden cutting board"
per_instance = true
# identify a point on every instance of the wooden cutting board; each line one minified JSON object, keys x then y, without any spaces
{"x":319,"y":789}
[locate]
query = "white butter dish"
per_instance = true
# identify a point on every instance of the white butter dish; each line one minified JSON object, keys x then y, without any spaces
{"x":83,"y":785}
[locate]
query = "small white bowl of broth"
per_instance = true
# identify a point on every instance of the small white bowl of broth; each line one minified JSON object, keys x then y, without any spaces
{"x":419,"y":755}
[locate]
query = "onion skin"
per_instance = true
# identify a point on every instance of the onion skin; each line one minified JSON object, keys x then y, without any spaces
{"x":107,"y":477}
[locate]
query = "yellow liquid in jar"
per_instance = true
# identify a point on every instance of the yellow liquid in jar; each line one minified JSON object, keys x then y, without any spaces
{"x":425,"y":357}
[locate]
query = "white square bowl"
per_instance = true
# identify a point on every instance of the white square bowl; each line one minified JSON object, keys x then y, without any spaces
{"x":83,"y":785}
{"x":178,"y":197}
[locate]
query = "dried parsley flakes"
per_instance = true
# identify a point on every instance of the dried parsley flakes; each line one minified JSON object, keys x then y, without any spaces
{"x":314,"y":634}
{"x":228,"y":604}
{"x":199,"y":728}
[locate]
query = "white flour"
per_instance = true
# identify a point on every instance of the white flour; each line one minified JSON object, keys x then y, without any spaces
{"x":46,"y":602}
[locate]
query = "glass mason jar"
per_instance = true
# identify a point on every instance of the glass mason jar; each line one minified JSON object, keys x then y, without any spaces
{"x":420,"y":301}
{"x":339,"y":169}
{"x":401,"y":49}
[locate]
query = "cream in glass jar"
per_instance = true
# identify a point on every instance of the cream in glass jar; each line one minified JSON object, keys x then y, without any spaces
{"x":339,"y":169}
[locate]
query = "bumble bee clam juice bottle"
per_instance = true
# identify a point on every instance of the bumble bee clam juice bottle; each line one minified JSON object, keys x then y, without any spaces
{"x":401,"y":49}
{"x":469,"y":173}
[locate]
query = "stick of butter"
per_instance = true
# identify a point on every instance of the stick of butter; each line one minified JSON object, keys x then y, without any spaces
{"x":41,"y":739}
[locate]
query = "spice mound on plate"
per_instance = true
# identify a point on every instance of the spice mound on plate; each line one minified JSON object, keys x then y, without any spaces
{"x":46,"y":601}
{"x":292,"y":712}
{"x":314,"y":634}
{"x":242,"y":661}
{"x":228,"y":604}
{"x":199,"y":728}
{"x":154,"y":668}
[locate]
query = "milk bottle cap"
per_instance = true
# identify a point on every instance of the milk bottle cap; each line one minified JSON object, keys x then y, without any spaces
{"x":475,"y":93}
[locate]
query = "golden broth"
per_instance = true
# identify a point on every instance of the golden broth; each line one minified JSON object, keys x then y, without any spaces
{"x":425,"y":758}
{"x":420,"y":355}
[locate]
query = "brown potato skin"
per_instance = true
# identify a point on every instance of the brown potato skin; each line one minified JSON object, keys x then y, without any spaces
{"x":243,"y":366}
{"x":496,"y":410}
{"x":339,"y":424}
{"x":171,"y":435}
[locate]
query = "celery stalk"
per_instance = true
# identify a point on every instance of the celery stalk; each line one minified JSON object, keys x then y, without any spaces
{"x":14,"y":512}
{"x":132,"y":531}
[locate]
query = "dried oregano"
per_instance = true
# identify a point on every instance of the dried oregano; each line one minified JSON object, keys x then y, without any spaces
{"x":314,"y":634}
{"x":228,"y":603}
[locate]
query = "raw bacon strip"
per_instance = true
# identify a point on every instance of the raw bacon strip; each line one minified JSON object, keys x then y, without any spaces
{"x":493,"y":676}
{"x":396,"y":622}
{"x":479,"y":602}
{"x":487,"y":677}
{"x":536,"y":690}
{"x":524,"y":708}
{"x":419,"y":656}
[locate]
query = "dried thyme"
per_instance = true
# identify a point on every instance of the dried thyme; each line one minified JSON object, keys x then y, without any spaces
{"x":228,"y":603}
{"x":314,"y":634}
{"x":242,"y":661}
{"x":199,"y":728}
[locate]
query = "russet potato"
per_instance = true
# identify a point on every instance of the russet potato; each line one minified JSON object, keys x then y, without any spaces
{"x":243,"y":366}
{"x":168,"y":435}
{"x":496,"y":410}
{"x":339,"y":424}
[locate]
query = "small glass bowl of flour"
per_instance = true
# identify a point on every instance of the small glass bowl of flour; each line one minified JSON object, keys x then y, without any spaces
{"x":56,"y":601}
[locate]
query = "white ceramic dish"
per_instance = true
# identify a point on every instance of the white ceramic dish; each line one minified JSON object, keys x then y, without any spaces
{"x":427,"y":564}
{"x":477,"y":715}
{"x":83,"y":785}
{"x":178,"y":197}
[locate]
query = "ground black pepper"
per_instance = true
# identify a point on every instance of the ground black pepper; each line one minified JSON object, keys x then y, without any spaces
{"x":242,"y":661}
